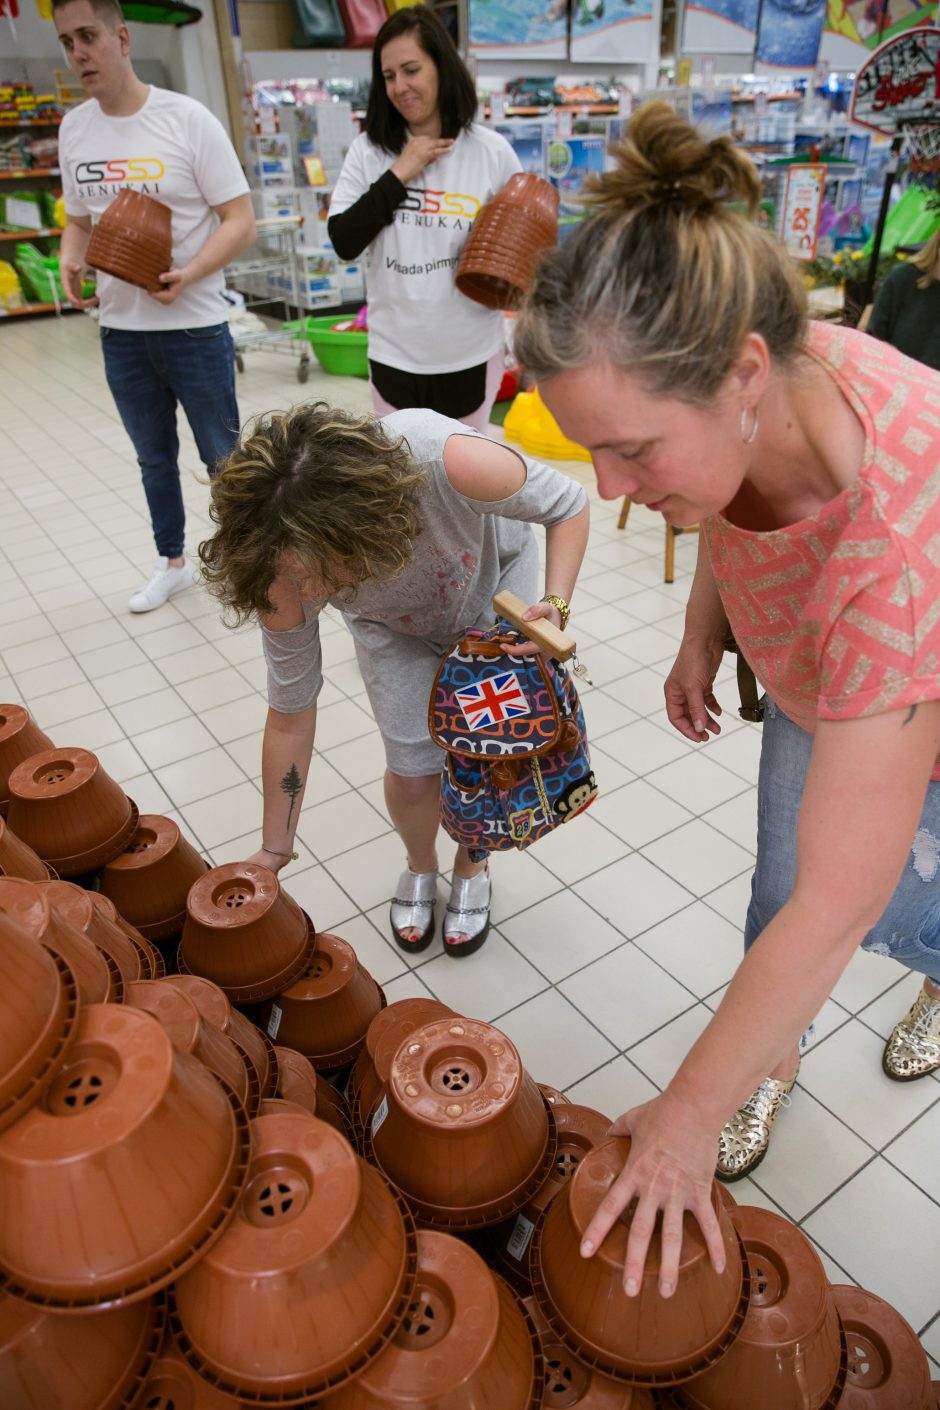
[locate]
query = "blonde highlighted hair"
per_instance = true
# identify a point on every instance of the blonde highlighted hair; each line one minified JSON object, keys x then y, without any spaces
{"x":665,"y":279}
{"x":331,"y":489}
{"x":926,"y":260}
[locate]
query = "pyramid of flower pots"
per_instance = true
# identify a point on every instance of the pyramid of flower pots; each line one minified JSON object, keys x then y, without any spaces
{"x":230,"y":1175}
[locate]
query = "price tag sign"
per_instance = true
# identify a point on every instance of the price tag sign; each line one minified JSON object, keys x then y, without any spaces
{"x":267,"y":120}
{"x":802,"y":205}
{"x":709,"y":70}
{"x":497,"y":107}
{"x":564,"y":124}
{"x":625,"y":103}
{"x":760,"y":105}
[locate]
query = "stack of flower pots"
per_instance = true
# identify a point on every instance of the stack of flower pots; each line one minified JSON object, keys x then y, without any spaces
{"x":511,"y":232}
{"x":193,"y":1225}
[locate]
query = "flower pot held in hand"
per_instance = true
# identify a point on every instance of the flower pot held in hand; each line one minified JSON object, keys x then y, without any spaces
{"x":580,"y":1129}
{"x":150,"y":880}
{"x":190,"y":1033}
{"x":16,"y":859}
{"x":507,"y":239}
{"x":569,"y":1385}
{"x":310,"y":1280}
{"x":100,"y":1362}
{"x":133,"y":240}
{"x":462,"y":1130}
{"x":123,"y":1173}
{"x":29,"y":904}
{"x":38,"y":1020}
{"x":245,"y":933}
{"x":255,"y":1047}
{"x":326,"y":1012}
{"x":887,"y":1367}
{"x":789,"y":1353}
{"x":69,"y":810}
{"x":465,"y":1343}
{"x":648,"y":1339}
{"x":20,"y":738}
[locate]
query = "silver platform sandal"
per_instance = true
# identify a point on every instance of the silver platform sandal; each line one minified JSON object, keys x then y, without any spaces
{"x":467,"y":914}
{"x":413,"y":909}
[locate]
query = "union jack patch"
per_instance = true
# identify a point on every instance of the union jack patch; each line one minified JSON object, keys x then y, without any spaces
{"x":493,"y":701}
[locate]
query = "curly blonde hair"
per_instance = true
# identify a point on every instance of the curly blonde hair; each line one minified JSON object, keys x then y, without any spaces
{"x":665,"y":279}
{"x":330,"y":488}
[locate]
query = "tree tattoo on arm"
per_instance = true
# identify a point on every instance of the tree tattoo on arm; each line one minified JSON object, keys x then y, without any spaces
{"x":292,"y":784}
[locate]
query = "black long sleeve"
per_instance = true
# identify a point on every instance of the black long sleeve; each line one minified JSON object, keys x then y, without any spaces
{"x":355,"y":228}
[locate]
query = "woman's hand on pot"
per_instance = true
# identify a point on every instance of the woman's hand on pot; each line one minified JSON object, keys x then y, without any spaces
{"x":691,"y":706}
{"x":669,"y":1170}
{"x":417,"y":153}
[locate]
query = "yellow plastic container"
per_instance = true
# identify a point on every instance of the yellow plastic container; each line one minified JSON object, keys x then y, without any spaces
{"x":11,"y":291}
{"x":393,"y":5}
{"x":530,"y":422}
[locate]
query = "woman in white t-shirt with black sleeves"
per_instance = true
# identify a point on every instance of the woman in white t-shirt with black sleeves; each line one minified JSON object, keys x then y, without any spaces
{"x":408,"y":192}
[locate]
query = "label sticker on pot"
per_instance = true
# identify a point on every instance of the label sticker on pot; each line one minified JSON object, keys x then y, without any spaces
{"x":381,"y":1112}
{"x":518,"y":1240}
{"x":274,"y":1022}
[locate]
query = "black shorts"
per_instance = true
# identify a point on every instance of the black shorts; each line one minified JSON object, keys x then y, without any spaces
{"x":453,"y":394}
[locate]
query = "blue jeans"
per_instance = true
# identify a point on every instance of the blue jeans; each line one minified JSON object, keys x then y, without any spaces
{"x":909,"y":930}
{"x":149,"y":374}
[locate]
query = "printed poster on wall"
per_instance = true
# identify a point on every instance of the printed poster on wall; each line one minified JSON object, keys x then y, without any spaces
{"x":623,"y":31}
{"x":854,"y":28}
{"x":519,"y":29}
{"x":802,"y":207}
{"x":789,"y":33}
{"x":720,"y":26}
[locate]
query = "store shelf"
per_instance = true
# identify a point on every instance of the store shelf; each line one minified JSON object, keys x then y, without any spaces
{"x":30,"y":234}
{"x":36,"y":308}
{"x":27,"y":173}
{"x":29,"y":122}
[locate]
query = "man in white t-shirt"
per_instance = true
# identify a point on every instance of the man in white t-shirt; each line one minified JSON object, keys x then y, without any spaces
{"x":171,"y":347}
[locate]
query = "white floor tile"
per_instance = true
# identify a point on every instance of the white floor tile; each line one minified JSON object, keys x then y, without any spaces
{"x":626,"y":995}
{"x":698,"y":857}
{"x":866,"y":1224}
{"x":485,"y":985}
{"x":810,"y":1156}
{"x":578,"y":848}
{"x":639,"y":813}
{"x":330,"y":829}
{"x":151,"y":710}
{"x":235,"y":719}
{"x":341,"y":722}
{"x":696,"y":782}
{"x":658,"y":1057}
{"x":199,"y":776}
{"x":695,"y":943}
{"x":556,"y":1043}
{"x":205,"y":692}
{"x":844,"y":1073}
{"x":633,"y":895}
{"x":613,"y":1089}
{"x":228,"y":813}
{"x":360,"y":761}
{"x":866,"y":976}
{"x":76,"y":700}
{"x":643,"y":746}
{"x":122,"y":686}
{"x":915,"y":1151}
{"x":560,"y":935}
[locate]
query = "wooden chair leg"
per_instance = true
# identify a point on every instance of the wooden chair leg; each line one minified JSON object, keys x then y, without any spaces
{"x":624,"y":513}
{"x":670,"y":565}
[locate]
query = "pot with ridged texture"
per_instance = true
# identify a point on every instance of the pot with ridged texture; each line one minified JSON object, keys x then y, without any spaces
{"x":38,"y":1019}
{"x":133,"y":240}
{"x":29,"y":904}
{"x":20,"y":738}
{"x":326,"y":1012}
{"x":257,"y":1051}
{"x":508,"y":237}
{"x":887,"y":1366}
{"x":150,"y":880}
{"x":190,"y":1033}
{"x":16,"y":859}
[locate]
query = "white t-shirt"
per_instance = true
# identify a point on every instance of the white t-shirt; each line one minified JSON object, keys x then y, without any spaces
{"x":418,"y":319}
{"x":174,"y":150}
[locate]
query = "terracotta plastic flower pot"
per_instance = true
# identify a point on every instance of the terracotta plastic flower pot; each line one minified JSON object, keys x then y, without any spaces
{"x":464,"y":1345}
{"x":570,"y":1385}
{"x":298,"y":1082}
{"x":99,"y":1362}
{"x":580,"y":1129}
{"x":123,"y":1174}
{"x":554,"y":1097}
{"x":108,"y":925}
{"x":133,"y":240}
{"x":244,"y":933}
{"x":190,"y":1033}
{"x":384,"y":1036}
{"x":256,"y":1049}
{"x":38,"y":1021}
{"x":16,"y":859}
{"x":462,"y":1130}
{"x":789,"y":1354}
{"x":173,"y":1385}
{"x":150,"y":880}
{"x":648,"y":1339}
{"x":887,"y":1365}
{"x":310,"y":1280}
{"x":76,"y":910}
{"x":29,"y":904}
{"x":69,"y":810}
{"x":507,"y":239}
{"x":20,"y":738}
{"x":326,"y":1012}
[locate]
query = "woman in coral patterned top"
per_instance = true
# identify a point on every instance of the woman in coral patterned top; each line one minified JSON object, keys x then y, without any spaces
{"x":669,"y":336}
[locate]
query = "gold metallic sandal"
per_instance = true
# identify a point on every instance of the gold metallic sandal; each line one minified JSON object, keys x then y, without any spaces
{"x":743,"y":1143}
{"x":913,"y":1050}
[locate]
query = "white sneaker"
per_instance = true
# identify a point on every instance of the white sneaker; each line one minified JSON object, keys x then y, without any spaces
{"x":164,"y":583}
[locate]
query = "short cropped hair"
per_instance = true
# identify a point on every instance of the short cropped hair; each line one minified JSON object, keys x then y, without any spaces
{"x":109,"y":11}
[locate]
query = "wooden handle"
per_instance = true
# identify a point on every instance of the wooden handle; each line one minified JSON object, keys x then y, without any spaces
{"x":544,"y":633}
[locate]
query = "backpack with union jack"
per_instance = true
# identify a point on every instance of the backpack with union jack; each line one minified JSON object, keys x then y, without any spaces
{"x":517,"y":762}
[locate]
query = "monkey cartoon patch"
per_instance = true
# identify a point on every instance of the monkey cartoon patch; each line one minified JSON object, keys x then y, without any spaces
{"x":576,"y":797}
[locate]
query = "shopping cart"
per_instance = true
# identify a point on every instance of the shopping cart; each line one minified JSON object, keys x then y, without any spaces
{"x":270,"y":271}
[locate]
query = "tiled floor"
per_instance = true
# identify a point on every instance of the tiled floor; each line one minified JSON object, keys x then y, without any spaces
{"x":612,"y":941}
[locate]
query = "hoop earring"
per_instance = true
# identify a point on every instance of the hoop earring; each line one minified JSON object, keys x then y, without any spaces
{"x":751,"y":437}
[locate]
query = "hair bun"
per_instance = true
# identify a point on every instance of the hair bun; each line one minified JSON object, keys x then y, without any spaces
{"x":662,"y":161}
